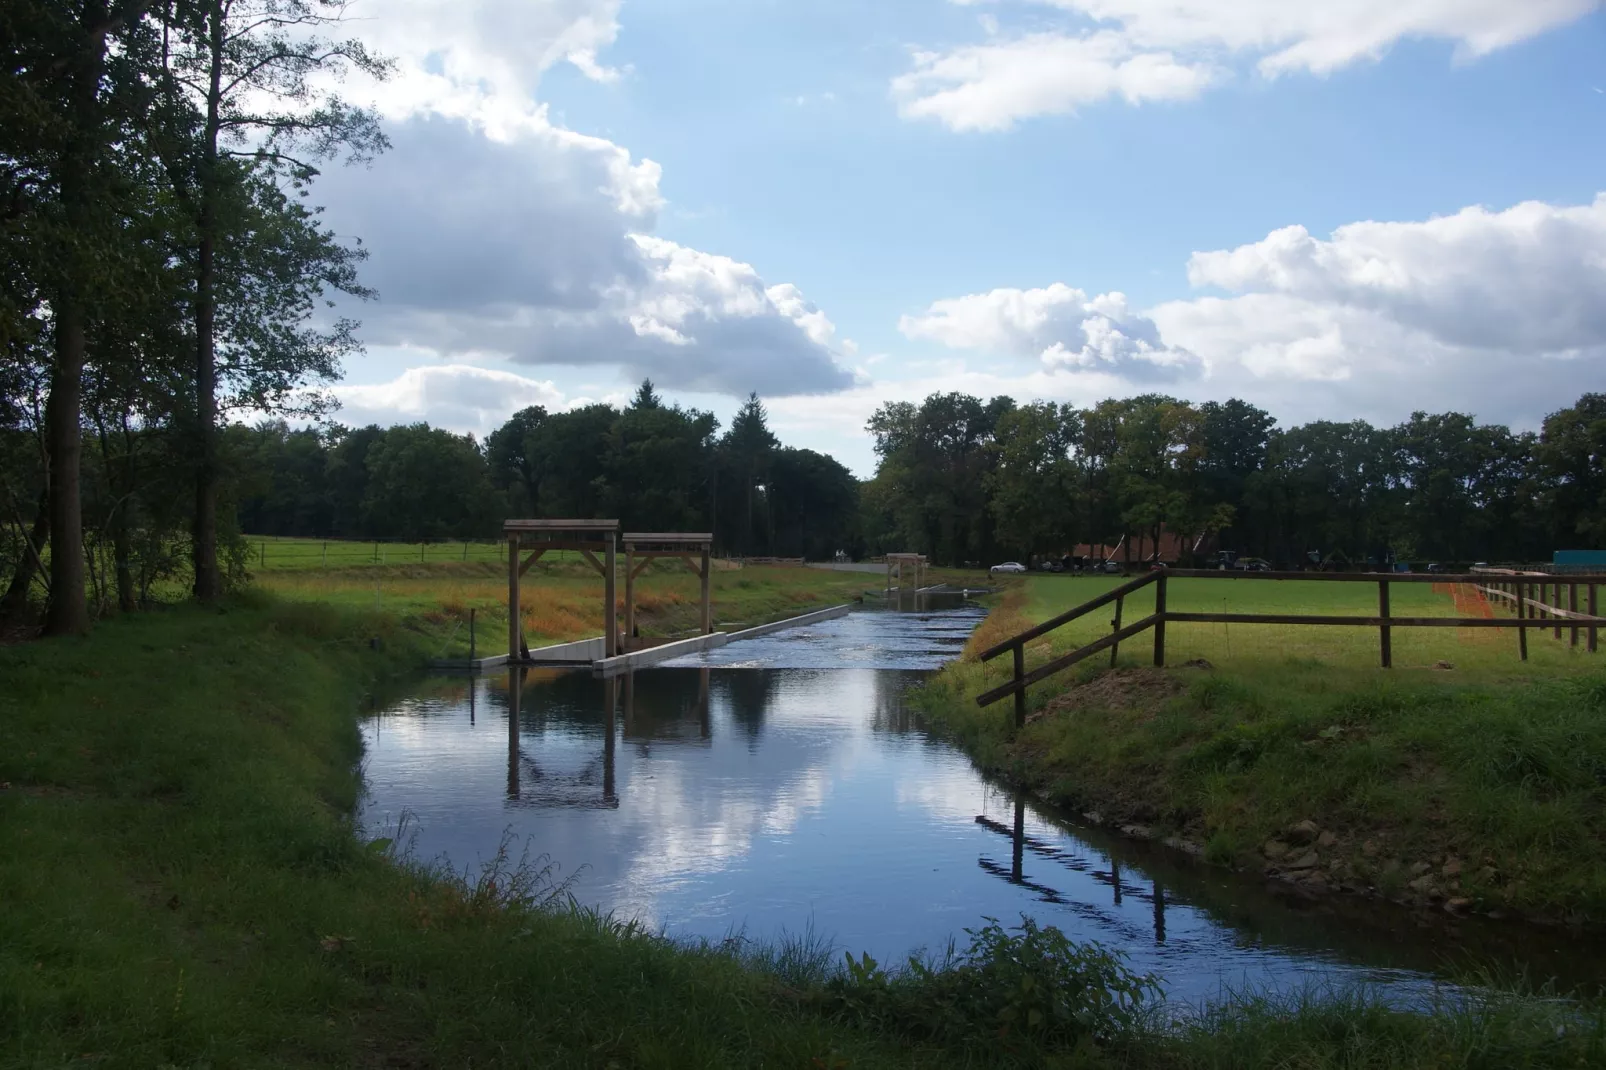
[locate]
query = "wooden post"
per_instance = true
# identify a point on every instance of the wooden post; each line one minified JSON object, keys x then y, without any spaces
{"x":1383,"y":631}
{"x":1020,"y":693}
{"x":513,"y":623}
{"x":1115,"y":626}
{"x":471,"y":637}
{"x":1572,"y":606}
{"x":1159,"y":622}
{"x":1592,"y":613}
{"x":421,"y":552}
{"x":708,"y":605}
{"x":1522,"y":613}
{"x":325,"y":563}
{"x":630,"y":597}
{"x":610,"y":613}
{"x":1555,"y":604}
{"x":264,"y":552}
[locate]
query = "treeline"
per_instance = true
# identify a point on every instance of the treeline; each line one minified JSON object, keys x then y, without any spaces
{"x":967,"y":480}
{"x":160,"y":270}
{"x":652,"y":465}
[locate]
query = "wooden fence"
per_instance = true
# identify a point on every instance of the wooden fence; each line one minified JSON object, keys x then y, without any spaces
{"x":1519,"y":588}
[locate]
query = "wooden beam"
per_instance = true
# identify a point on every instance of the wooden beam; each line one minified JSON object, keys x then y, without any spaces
{"x":610,"y":615}
{"x":1043,"y":672}
{"x":1384,"y":636}
{"x":513,"y":621}
{"x":532,"y":559}
{"x":591,"y":557}
{"x":708,"y":605}
{"x":632,"y":573}
{"x":1069,"y":615}
{"x":560,"y":525}
{"x":1350,"y":577}
{"x":630,"y":599}
{"x":1359,"y":622}
{"x":1159,"y":625}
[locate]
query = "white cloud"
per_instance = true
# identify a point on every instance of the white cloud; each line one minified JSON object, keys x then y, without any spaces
{"x":989,"y":86}
{"x":1527,"y":279}
{"x":494,"y":229}
{"x":1492,"y":312}
{"x":458,"y":397}
{"x":1059,"y":324}
{"x":1167,"y":49}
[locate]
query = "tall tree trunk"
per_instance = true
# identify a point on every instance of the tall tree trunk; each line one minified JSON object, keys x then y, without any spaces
{"x":14,"y":605}
{"x":208,"y":582}
{"x":69,"y":613}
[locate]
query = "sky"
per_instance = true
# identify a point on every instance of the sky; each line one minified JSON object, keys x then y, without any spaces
{"x":1351,"y":209}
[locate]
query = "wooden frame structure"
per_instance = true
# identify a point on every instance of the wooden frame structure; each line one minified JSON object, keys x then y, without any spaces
{"x":694,"y":548}
{"x":1527,"y":610}
{"x":588,"y":537}
{"x":896,"y":564}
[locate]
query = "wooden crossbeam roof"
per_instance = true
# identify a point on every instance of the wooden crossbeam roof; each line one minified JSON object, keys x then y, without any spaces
{"x":668,"y":538}
{"x":521,"y":526}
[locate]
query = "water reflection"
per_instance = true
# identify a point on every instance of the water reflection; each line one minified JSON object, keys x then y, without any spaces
{"x":705,"y":797}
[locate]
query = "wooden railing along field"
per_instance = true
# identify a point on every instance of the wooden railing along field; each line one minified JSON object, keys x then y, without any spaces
{"x":1517,"y":587}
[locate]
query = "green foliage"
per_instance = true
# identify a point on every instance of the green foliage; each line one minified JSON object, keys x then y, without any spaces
{"x":1027,"y":988}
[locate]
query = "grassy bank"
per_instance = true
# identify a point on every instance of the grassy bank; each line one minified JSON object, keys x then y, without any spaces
{"x":183,"y":887}
{"x":1463,"y":778}
{"x":560,"y":597}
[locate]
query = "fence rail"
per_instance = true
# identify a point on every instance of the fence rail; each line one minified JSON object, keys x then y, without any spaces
{"x":1520,"y":589}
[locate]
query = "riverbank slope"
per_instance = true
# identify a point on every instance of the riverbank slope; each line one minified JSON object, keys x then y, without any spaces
{"x":1463,"y":779}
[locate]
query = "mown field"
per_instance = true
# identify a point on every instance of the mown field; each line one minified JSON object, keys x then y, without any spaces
{"x":1463,"y":778}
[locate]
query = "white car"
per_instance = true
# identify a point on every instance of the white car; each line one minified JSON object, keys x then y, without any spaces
{"x":1008,"y":566}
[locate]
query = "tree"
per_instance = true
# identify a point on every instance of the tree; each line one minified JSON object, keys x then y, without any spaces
{"x":1033,"y":478}
{"x":425,"y":483}
{"x":247,"y":113}
{"x":746,"y":451}
{"x":514,"y":453}
{"x":1571,"y":455}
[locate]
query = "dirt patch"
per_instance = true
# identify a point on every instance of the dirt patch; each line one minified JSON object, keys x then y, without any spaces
{"x":1137,"y":689}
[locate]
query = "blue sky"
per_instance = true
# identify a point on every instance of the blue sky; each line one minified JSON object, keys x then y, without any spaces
{"x":991,"y":197}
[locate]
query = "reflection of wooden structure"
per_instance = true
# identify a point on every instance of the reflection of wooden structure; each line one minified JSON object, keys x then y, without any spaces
{"x":695,"y":549}
{"x":896,"y":563}
{"x":589,"y":537}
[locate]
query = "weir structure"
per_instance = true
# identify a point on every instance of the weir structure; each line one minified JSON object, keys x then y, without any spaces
{"x":589,"y":537}
{"x":896,"y":563}
{"x":643,"y":548}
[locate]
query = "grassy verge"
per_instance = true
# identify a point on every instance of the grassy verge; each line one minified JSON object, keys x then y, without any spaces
{"x":1463,"y":778}
{"x":560,"y":597}
{"x":183,"y":887}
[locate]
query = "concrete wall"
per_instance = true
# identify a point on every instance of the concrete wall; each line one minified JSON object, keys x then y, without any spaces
{"x":640,"y":659}
{"x":583,"y":650}
{"x":792,"y":622}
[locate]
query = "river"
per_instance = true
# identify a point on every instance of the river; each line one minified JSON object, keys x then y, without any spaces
{"x":784,"y":785}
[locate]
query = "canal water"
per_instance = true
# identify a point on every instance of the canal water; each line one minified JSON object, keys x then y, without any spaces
{"x":784,"y":786}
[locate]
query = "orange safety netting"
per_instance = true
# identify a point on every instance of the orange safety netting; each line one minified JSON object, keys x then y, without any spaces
{"x":1470,"y":602}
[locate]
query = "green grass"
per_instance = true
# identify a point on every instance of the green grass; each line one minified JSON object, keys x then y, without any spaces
{"x":183,"y":886}
{"x":560,"y":596}
{"x":1495,"y":767}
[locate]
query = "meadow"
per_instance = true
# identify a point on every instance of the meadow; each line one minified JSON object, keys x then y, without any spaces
{"x":1463,"y":778}
{"x":437,"y":584}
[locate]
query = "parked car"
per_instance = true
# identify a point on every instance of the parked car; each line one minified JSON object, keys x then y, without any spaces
{"x":1008,"y":566}
{"x":1108,"y":566}
{"x":1049,"y":566}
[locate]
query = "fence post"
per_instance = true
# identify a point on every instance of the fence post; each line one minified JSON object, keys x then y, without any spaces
{"x":1020,"y":690}
{"x":1115,"y":626}
{"x":1384,"y":632}
{"x":1159,"y":622}
{"x":1522,"y":614}
{"x":325,"y":562}
{"x":1592,"y":613}
{"x":1555,"y":594}
{"x":421,"y":552}
{"x":1572,"y":607}
{"x":376,"y":550}
{"x":471,"y":635}
{"x":264,"y":553}
{"x":465,"y":551}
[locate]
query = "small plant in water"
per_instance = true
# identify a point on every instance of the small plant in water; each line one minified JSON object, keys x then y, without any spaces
{"x":1029,"y":986}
